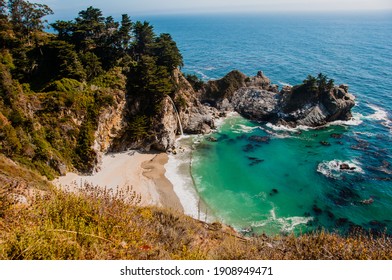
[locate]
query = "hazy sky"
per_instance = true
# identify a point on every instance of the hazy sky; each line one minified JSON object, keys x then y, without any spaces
{"x":140,"y":7}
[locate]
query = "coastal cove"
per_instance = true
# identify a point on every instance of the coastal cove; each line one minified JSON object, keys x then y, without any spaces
{"x":253,"y":185}
{"x":293,"y":181}
{"x":194,"y":137}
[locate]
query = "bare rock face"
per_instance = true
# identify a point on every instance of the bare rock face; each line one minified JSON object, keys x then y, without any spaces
{"x":256,"y":103}
{"x":111,"y":122}
{"x":260,"y":81}
{"x":167,"y":129}
{"x":195,"y":117}
{"x":214,"y":92}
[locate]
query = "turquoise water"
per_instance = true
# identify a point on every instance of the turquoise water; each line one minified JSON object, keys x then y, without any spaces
{"x":291,"y":181}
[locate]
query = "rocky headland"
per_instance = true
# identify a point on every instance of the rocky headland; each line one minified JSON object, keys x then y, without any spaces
{"x":314,"y":103}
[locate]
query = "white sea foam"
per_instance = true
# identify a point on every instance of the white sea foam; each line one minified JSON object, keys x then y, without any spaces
{"x":356,"y":120}
{"x":287,"y":128}
{"x":380,"y":115}
{"x":285,"y":224}
{"x":368,"y":134}
{"x":284,"y":84}
{"x":203,"y":76}
{"x":178,"y":173}
{"x":220,"y":121}
{"x":241,"y":128}
{"x":332,"y":169}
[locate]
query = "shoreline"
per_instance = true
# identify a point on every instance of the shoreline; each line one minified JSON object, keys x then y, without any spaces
{"x":160,"y":179}
{"x":154,"y":169}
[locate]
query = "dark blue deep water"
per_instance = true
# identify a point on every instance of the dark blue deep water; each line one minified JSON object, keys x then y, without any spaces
{"x":293,"y":182}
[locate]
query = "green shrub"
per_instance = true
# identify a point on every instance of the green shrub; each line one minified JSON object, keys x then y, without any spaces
{"x":113,"y":79}
{"x":64,"y":85}
{"x":9,"y":140}
{"x":195,"y":81}
{"x":138,"y":127}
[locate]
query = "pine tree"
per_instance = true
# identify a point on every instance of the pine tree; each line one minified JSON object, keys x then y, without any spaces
{"x":89,"y":28}
{"x":124,"y":34}
{"x":167,"y":52}
{"x":27,"y":17}
{"x":144,"y":39}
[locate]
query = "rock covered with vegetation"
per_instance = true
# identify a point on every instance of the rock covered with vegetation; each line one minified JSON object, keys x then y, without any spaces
{"x":316,"y":102}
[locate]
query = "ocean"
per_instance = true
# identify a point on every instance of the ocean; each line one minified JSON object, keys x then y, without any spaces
{"x":292,"y":183}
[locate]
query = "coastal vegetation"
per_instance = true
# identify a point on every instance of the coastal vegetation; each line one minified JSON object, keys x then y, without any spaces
{"x":75,"y":74}
{"x":53,"y":89}
{"x":97,"y":224}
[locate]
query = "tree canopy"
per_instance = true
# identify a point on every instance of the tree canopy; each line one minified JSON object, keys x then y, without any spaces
{"x":318,"y":84}
{"x":27,"y":17}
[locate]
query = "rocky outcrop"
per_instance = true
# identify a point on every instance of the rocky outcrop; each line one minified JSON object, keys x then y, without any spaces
{"x":316,"y":109}
{"x":195,"y":117}
{"x":256,"y":98}
{"x":220,"y":93}
{"x":168,"y":128}
{"x":214,"y":92}
{"x":110,"y":123}
{"x":256,"y":103}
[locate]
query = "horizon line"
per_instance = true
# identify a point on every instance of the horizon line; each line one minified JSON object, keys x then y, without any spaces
{"x":68,"y":15}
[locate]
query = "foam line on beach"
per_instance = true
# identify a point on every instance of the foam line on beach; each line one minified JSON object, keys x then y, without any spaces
{"x":178,"y":172}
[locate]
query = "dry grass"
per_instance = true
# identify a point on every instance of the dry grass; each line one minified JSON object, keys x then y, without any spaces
{"x":97,"y":224}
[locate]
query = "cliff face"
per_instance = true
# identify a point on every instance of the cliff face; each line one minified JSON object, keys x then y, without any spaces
{"x":195,"y":117}
{"x":110,"y":123}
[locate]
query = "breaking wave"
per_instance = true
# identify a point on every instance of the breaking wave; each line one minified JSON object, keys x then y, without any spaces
{"x":333,"y":169}
{"x":285,"y":225}
{"x":380,"y":115}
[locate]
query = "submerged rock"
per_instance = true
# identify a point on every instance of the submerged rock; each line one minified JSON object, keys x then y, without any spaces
{"x":212,"y":139}
{"x":317,"y":210}
{"x":248,"y":148}
{"x":325,"y":143}
{"x":337,"y":135}
{"x":259,"y":139}
{"x":273,"y":192}
{"x":255,"y":161}
{"x":367,"y":201}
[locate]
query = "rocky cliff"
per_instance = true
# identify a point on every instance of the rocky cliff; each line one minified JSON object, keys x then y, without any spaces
{"x":161,"y":134}
{"x":195,"y":117}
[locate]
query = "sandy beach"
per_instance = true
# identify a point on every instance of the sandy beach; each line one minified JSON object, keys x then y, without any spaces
{"x":143,"y":172}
